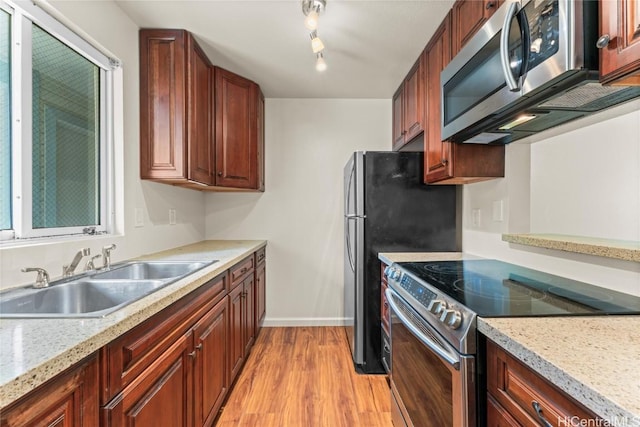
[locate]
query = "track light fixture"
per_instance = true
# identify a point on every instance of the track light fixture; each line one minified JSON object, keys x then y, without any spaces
{"x":312,"y":10}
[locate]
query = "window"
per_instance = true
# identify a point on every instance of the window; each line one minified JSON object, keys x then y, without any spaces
{"x":55,"y":128}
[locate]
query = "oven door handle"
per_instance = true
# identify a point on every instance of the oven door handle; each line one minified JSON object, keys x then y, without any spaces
{"x":443,"y":353}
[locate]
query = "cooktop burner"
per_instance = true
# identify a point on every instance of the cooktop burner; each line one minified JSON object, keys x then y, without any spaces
{"x":493,"y":288}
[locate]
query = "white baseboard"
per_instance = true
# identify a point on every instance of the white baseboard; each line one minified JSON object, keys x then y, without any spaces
{"x":305,"y":321}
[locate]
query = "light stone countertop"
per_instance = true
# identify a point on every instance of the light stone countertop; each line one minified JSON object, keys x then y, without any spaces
{"x":596,"y":360}
{"x":391,"y":257}
{"x":33,"y":351}
{"x":620,"y":249}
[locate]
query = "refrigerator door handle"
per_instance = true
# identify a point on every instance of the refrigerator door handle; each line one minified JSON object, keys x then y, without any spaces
{"x":348,"y":242}
{"x":353,"y":216}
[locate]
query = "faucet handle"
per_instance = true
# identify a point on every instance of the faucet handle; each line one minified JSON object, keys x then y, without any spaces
{"x":109,"y":248}
{"x":90,"y":263}
{"x":42,"y":280}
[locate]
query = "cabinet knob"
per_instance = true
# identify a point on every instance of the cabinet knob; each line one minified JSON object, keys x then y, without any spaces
{"x":445,"y":161}
{"x":603,"y":41}
{"x":199,"y":346}
{"x":219,"y":173}
{"x":490,"y":5}
{"x":192,"y":354}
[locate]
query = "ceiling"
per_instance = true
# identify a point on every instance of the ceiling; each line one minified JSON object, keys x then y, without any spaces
{"x":370,"y":44}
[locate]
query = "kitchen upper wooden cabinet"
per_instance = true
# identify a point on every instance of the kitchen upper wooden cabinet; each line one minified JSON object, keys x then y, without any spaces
{"x":238,"y":149}
{"x":201,"y":127}
{"x":446,"y":162}
{"x":408,"y":107}
{"x":620,"y":57}
{"x":69,"y":400}
{"x":175,"y":109}
{"x":517,"y":396}
{"x":468,"y":17}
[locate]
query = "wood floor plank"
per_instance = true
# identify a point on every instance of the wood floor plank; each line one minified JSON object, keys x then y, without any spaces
{"x":304,"y":377}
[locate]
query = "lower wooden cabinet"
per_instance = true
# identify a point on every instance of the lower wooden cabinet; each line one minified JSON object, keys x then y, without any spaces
{"x":261,"y":294}
{"x":174,"y":369}
{"x":211,"y":376}
{"x":161,"y":396}
{"x":71,"y":399}
{"x":517,"y":396}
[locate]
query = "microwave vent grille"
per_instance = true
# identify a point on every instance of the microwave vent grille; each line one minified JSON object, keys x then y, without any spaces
{"x":590,"y":96}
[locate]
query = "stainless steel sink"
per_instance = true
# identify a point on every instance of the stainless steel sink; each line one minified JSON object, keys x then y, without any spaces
{"x":95,"y":294}
{"x":150,"y":270}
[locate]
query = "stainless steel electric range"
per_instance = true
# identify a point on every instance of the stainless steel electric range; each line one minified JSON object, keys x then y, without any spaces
{"x":435,"y":374}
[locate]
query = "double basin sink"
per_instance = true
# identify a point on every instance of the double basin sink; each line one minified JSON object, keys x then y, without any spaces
{"x":96,"y":294}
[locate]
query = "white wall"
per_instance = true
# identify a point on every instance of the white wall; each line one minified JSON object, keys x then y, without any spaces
{"x":109,"y":26}
{"x":580,"y":179}
{"x":308,"y":141}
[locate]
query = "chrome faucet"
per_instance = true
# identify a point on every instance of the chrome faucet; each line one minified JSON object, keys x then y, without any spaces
{"x":91,"y":263}
{"x":106,"y":255}
{"x":68,"y":269}
{"x":42,"y":281}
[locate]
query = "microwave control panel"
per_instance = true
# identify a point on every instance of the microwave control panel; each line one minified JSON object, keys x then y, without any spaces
{"x":543,"y":20}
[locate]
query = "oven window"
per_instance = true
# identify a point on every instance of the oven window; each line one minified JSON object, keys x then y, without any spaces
{"x":423,"y":381}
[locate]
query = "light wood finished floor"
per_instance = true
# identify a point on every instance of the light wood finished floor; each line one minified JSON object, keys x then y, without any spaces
{"x":304,"y":377}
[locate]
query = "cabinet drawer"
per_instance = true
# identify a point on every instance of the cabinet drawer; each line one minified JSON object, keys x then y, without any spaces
{"x":260,"y":255}
{"x":517,"y":389}
{"x":240,"y":270}
{"x":497,"y":416}
{"x":129,"y":355}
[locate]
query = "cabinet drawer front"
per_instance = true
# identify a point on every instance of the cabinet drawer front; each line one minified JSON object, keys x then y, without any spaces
{"x":518,"y":390}
{"x":260,"y":255}
{"x":240,"y":270}
{"x":129,"y":355}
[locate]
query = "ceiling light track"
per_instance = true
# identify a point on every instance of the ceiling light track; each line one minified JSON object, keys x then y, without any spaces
{"x":312,"y":10}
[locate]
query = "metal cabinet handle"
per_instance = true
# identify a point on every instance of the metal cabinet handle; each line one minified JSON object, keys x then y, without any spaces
{"x":199,"y":346}
{"x":603,"y":41}
{"x":192,"y":354}
{"x":541,"y":418}
{"x":445,"y":161}
{"x":219,"y":173}
{"x":490,"y":5}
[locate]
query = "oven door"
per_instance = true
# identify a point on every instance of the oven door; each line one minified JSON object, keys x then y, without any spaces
{"x":432,"y":385}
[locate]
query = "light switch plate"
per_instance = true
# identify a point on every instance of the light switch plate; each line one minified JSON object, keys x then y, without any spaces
{"x":139,"y":218}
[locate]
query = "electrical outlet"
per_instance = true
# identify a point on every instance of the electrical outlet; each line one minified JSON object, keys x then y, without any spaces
{"x":498,"y":210}
{"x":475,"y":217}
{"x":138,"y":218}
{"x":172,"y":217}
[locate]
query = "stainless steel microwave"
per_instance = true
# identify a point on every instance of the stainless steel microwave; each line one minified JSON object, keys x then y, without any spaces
{"x":532,"y":66}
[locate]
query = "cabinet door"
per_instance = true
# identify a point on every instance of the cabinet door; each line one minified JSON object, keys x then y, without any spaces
{"x":620,"y":58}
{"x":398,"y":121}
{"x":210,"y":375}
{"x":497,"y":416}
{"x":236,"y":342}
{"x":69,"y":400}
{"x":468,"y":17}
{"x":260,"y":132}
{"x":161,"y":396}
{"x":249,"y":314}
{"x":437,"y":156}
{"x":414,"y":100}
{"x":236,"y":130}
{"x":200,"y":129}
{"x":261,"y":295}
{"x":163,"y":147}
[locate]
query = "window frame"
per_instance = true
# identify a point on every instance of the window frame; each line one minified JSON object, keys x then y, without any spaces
{"x":24,"y":15}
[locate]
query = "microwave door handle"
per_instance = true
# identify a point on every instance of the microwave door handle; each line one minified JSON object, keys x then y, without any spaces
{"x":512,"y":84}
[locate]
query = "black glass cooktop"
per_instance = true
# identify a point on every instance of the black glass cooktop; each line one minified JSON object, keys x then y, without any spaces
{"x":493,"y":288}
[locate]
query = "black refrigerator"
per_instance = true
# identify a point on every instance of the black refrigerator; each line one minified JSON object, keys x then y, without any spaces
{"x":387,"y":208}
